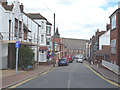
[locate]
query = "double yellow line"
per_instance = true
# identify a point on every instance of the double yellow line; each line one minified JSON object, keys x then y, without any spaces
{"x":113,"y":83}
{"x":16,"y":85}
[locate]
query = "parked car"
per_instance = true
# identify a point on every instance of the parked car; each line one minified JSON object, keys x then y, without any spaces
{"x":70,"y":58}
{"x":63,"y":61}
{"x":79,"y":60}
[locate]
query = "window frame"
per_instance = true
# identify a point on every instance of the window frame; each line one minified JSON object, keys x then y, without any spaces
{"x":42,"y":39}
{"x":42,"y":24}
{"x":113,"y":22}
{"x":113,"y":46}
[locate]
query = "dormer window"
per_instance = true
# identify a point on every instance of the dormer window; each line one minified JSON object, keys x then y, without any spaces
{"x":113,"y":22}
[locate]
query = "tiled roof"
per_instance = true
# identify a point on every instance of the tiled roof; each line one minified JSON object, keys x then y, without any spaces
{"x":36,"y":16}
{"x":32,"y":19}
{"x":8,"y":7}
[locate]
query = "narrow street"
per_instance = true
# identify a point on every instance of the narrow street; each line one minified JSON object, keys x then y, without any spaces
{"x":76,"y":75}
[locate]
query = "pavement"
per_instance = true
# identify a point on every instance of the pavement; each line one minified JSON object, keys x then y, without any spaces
{"x":105,"y":72}
{"x":9,"y":77}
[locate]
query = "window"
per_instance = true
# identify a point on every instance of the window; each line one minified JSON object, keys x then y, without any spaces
{"x":113,"y":46}
{"x":25,"y":35}
{"x":47,"y":30}
{"x":42,"y":38}
{"x":42,"y":24}
{"x":48,"y":41}
{"x":16,"y":28}
{"x":113,"y":22}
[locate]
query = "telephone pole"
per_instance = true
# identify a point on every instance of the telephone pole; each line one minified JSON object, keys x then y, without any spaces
{"x":54,"y":43}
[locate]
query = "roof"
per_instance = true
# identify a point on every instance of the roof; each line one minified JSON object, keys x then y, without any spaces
{"x":48,"y":23}
{"x":75,"y":43}
{"x":8,"y":7}
{"x":43,"y":48}
{"x":36,"y":16}
{"x":101,"y":33}
{"x":32,"y":20}
{"x":114,"y":12}
{"x":57,"y":32}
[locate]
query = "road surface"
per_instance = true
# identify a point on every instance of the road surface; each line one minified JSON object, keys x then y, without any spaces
{"x":76,"y":75}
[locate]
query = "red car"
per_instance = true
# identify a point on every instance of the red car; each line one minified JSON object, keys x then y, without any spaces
{"x":69,"y":58}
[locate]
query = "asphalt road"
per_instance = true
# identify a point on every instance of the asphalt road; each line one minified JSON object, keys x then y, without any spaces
{"x":76,"y":75}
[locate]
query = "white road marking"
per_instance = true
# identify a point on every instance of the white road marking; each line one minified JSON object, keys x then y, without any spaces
{"x":68,"y":84}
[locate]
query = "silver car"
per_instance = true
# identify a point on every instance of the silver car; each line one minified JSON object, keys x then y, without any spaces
{"x":80,"y":60}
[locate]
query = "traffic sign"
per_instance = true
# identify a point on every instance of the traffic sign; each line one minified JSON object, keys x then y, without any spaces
{"x":17,"y":44}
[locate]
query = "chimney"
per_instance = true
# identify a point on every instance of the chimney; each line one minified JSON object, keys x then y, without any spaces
{"x":21,"y":7}
{"x":107,"y":27}
{"x":3,"y":2}
{"x":119,"y":4}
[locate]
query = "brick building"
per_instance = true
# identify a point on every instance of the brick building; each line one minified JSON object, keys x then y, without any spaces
{"x":115,"y":37}
{"x":75,"y":46}
{"x":94,"y":44}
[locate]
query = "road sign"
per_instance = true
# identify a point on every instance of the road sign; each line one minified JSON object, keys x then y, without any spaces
{"x":17,"y":44}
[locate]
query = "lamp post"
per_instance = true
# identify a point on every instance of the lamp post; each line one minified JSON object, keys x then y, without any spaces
{"x":54,"y":43}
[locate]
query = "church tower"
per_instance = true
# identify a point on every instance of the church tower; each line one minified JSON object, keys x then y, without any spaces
{"x":57,"y":35}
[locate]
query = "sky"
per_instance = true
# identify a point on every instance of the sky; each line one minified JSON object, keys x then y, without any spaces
{"x":74,"y":18}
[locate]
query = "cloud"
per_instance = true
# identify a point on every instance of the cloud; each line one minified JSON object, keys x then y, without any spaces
{"x":65,"y":2}
{"x":75,"y":18}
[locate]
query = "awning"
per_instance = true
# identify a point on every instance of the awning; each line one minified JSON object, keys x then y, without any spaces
{"x":43,"y":48}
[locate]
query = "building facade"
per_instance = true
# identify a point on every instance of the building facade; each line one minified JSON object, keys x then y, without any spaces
{"x":75,"y":46}
{"x":32,"y":33}
{"x":45,"y":35}
{"x":115,"y":37}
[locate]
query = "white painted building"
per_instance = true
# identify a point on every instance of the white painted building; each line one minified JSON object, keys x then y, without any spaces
{"x":44,"y":37}
{"x":28,"y":32}
{"x":4,"y":23}
{"x":104,"y":39}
